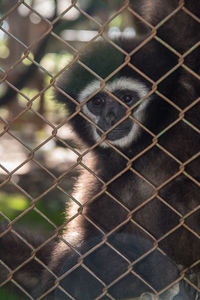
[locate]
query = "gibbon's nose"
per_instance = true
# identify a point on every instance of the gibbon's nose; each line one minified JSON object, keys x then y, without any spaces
{"x":110,"y":118}
{"x":111,"y":112}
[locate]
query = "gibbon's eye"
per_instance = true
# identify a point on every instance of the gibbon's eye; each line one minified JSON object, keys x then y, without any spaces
{"x":127,"y":99}
{"x":97,"y":101}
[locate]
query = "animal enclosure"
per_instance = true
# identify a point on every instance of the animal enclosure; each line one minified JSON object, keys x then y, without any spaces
{"x":41,"y":157}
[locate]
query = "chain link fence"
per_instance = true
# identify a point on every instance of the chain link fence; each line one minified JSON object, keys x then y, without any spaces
{"x":46,"y":169}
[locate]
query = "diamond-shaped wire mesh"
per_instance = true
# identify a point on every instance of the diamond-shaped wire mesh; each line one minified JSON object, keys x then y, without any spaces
{"x":41,"y":158}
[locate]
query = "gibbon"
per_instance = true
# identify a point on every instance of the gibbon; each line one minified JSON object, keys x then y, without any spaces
{"x":129,"y":232}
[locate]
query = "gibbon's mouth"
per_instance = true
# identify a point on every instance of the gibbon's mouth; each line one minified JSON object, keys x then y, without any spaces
{"x":116,"y":133}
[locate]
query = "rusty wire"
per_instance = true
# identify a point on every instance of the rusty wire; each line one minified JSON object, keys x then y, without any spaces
{"x":80,"y":156}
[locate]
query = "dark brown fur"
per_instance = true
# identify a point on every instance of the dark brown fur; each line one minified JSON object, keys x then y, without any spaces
{"x":107,"y":214}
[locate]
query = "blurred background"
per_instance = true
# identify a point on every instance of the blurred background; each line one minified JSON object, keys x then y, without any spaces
{"x":38,"y":165}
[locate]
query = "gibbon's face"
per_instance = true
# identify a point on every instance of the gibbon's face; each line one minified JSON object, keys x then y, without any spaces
{"x":105,"y":111}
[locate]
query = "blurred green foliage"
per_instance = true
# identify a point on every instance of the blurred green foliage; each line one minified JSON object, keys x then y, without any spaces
{"x":13,"y":204}
{"x":5,"y":295}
